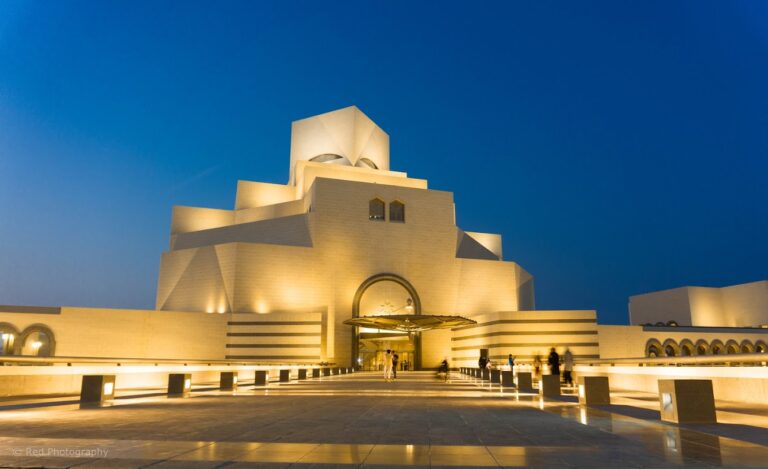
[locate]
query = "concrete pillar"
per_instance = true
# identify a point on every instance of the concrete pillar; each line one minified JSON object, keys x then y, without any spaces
{"x":524,"y":382}
{"x":285,"y":376}
{"x":550,"y":386}
{"x":315,"y":372}
{"x":507,"y":379}
{"x":179,"y":384}
{"x":260,"y":377}
{"x":496,"y":376}
{"x":594,"y":390}
{"x":228,"y":381}
{"x":687,"y":401}
{"x":97,"y":389}
{"x":302,"y":373}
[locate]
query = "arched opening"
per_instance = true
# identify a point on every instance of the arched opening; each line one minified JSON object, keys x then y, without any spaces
{"x":397,"y":211}
{"x":686,"y":348}
{"x":761,"y":347}
{"x":376,"y":210}
{"x":385,"y":294}
{"x":671,"y":348}
{"x":36,"y":341}
{"x":747,"y":347}
{"x":732,"y":347}
{"x":330,"y":158}
{"x":702,"y":347}
{"x":366,"y":163}
{"x":653,"y":349}
{"x":717,"y":348}
{"x":9,"y":334}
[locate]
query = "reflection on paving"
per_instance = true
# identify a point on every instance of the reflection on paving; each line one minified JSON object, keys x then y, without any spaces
{"x":358,"y":420}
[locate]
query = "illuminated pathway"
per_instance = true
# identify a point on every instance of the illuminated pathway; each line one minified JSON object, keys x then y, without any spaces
{"x":360,"y":420}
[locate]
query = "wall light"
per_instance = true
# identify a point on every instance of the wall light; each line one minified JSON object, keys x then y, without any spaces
{"x":109,"y":388}
{"x":37,"y":344}
{"x":187,"y":383}
{"x":581,"y":391}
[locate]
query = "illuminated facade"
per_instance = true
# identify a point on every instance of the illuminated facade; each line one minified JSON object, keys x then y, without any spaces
{"x":275,"y":278}
{"x":346,"y":237}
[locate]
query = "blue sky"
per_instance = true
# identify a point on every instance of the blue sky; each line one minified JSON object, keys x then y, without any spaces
{"x":619,"y":147}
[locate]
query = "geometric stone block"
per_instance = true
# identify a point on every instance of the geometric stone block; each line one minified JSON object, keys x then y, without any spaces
{"x":550,"y":386}
{"x":496,"y":376}
{"x":228,"y":381}
{"x":302,"y":373}
{"x":594,"y":390}
{"x":486,"y":374}
{"x":326,"y":372}
{"x":507,"y":379}
{"x":179,"y":384}
{"x":260,"y":377}
{"x":285,"y":376}
{"x":524,"y":382}
{"x":315,"y":372}
{"x":687,"y":401}
{"x":96,"y":389}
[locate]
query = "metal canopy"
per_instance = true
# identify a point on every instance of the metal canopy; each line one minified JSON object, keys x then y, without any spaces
{"x":409,"y":322}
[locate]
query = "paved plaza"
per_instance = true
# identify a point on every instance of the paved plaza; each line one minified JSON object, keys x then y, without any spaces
{"x":357,"y":419}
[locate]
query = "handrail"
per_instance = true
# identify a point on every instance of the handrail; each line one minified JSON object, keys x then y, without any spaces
{"x":16,"y":359}
{"x":684,"y":360}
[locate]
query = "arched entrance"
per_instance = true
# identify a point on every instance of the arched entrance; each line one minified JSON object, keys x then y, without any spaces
{"x":374,"y":296}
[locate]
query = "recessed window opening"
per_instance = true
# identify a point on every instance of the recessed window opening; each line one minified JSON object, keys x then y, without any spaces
{"x":376,"y":210}
{"x":397,"y":212}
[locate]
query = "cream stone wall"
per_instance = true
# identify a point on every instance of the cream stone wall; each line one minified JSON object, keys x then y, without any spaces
{"x":126,"y":333}
{"x":744,"y":305}
{"x":347,"y":133}
{"x":284,"y":337}
{"x":526,"y":334}
{"x":631,"y":341}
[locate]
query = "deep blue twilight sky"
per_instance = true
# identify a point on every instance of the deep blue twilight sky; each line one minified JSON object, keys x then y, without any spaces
{"x":619,"y":147}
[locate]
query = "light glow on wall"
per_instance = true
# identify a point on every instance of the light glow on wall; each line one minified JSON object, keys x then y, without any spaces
{"x":109,"y":388}
{"x":187,"y":383}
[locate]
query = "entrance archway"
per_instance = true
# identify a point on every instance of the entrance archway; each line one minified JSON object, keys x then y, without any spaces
{"x":414,"y":307}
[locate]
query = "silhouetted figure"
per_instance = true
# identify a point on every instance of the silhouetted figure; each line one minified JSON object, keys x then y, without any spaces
{"x":537,"y":366}
{"x":482,"y":362}
{"x":554,"y":362}
{"x":443,"y":370}
{"x":568,"y":367}
{"x":395,"y":358}
{"x":511,"y":363}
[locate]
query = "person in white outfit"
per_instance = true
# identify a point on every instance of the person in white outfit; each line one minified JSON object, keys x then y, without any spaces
{"x":568,"y":369}
{"x":388,"y":366}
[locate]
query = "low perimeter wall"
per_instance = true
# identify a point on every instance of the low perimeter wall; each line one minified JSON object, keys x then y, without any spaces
{"x":38,"y":380}
{"x":730,"y":383}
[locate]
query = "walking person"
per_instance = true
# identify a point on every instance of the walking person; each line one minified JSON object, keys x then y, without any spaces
{"x":511,"y":363}
{"x":395,"y":358}
{"x":537,"y":367}
{"x":554,"y":362}
{"x":444,"y":369}
{"x":388,"y":366}
{"x":568,"y":367}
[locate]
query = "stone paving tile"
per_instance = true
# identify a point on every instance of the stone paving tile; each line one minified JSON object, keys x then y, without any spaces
{"x":363,"y":410}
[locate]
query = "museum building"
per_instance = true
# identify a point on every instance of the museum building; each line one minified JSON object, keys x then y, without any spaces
{"x":346,"y":260}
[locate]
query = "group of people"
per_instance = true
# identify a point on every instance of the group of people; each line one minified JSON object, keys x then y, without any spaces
{"x":390,"y":365}
{"x":553,"y":360}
